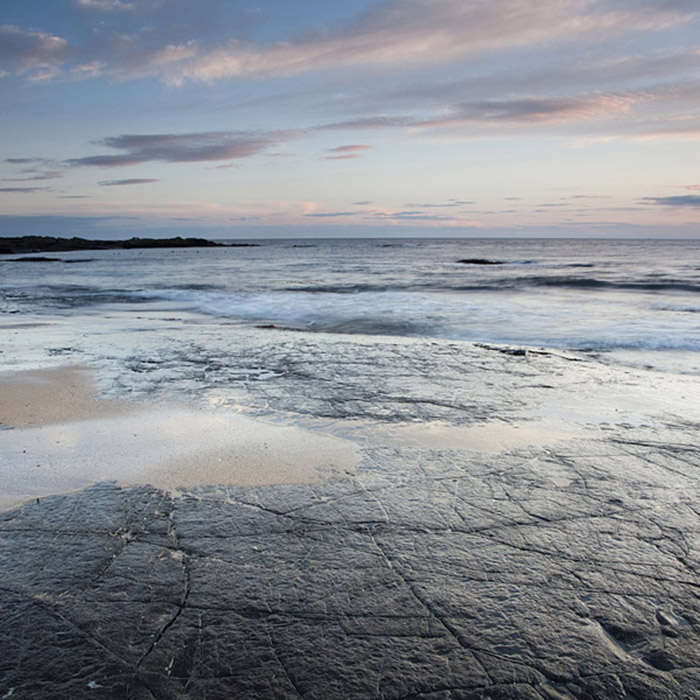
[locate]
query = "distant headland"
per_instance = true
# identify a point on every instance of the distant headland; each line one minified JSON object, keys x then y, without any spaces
{"x":52,"y":244}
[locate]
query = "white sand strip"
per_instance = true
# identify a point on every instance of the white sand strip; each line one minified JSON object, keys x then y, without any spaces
{"x":52,"y":395}
{"x":56,"y":447}
{"x":492,"y":437}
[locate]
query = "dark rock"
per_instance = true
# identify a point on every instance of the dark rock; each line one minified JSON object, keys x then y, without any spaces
{"x":661,"y":659}
{"x":479,"y":261}
{"x":433,"y":573}
{"x":393,"y":587}
{"x":38,"y":244}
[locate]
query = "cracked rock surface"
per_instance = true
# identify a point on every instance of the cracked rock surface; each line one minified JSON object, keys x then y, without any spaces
{"x":565,"y":570}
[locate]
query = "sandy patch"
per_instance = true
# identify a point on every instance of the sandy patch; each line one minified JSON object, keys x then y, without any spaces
{"x":58,"y":447}
{"x":493,"y":437}
{"x":54,"y":395}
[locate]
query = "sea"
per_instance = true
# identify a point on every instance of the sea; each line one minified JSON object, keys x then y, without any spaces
{"x":634,"y":302}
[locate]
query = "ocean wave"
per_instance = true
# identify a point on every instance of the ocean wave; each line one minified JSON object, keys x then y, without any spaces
{"x":678,"y":308}
{"x":497,"y":282}
{"x":648,"y":343}
{"x":195,"y":287}
{"x":487,"y":262}
{"x":490,"y":318}
{"x":478,"y":312}
{"x":72,"y":296}
{"x":595,"y":283}
{"x":347,"y":288}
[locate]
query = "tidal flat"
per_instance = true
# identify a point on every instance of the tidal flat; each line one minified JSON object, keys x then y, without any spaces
{"x":457,"y":521}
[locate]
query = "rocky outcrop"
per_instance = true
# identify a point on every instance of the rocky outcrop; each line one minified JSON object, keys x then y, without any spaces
{"x":44,"y":244}
{"x":489,"y":579}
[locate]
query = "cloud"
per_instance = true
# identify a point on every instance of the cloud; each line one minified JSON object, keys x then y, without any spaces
{"x":490,"y":115}
{"x":48,"y":175}
{"x":688,"y":200}
{"x":26,"y":51}
{"x":565,"y":70}
{"x":107,"y":5}
{"x":130,"y":181}
{"x":331,"y":214}
{"x":393,"y":34}
{"x":23,"y":190}
{"x":521,"y":111}
{"x":403,"y":32}
{"x":182,"y":148}
{"x":428,"y":205}
{"x":40,"y":169}
{"x":409,"y":216}
{"x":348,"y":152}
{"x":352,"y":148}
{"x":374,"y":122}
{"x":532,"y":110}
{"x":349,"y":156}
{"x":667,"y":132}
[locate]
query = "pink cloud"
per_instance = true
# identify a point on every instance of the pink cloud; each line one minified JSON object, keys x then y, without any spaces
{"x":349,"y":156}
{"x":31,"y":51}
{"x":350,"y":149}
{"x":412,"y":32}
{"x":182,"y":148}
{"x":394,"y":34}
{"x":107,"y":5}
{"x":533,"y":110}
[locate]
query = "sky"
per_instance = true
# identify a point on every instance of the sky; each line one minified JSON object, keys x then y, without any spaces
{"x":270,"y":118}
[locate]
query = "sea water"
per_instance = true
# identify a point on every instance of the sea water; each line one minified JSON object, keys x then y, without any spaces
{"x":628,"y":301}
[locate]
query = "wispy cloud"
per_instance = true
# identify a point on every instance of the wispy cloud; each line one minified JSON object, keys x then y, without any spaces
{"x":352,"y":148}
{"x":521,"y":111}
{"x":330,"y":214}
{"x":23,"y":190}
{"x":443,"y":205}
{"x":129,"y":181}
{"x":391,"y":34}
{"x":687,"y":200}
{"x":666,"y":132}
{"x":107,"y":5}
{"x":409,"y":216}
{"x":532,"y":110}
{"x":350,"y":152}
{"x":422,"y":32}
{"x":37,"y":53}
{"x":182,"y":148}
{"x":37,"y":169}
{"x":569,"y":72}
{"x":48,"y":175}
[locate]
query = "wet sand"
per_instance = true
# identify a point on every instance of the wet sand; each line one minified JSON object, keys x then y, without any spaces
{"x":53,"y":395}
{"x":63,"y":437}
{"x":60,"y":437}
